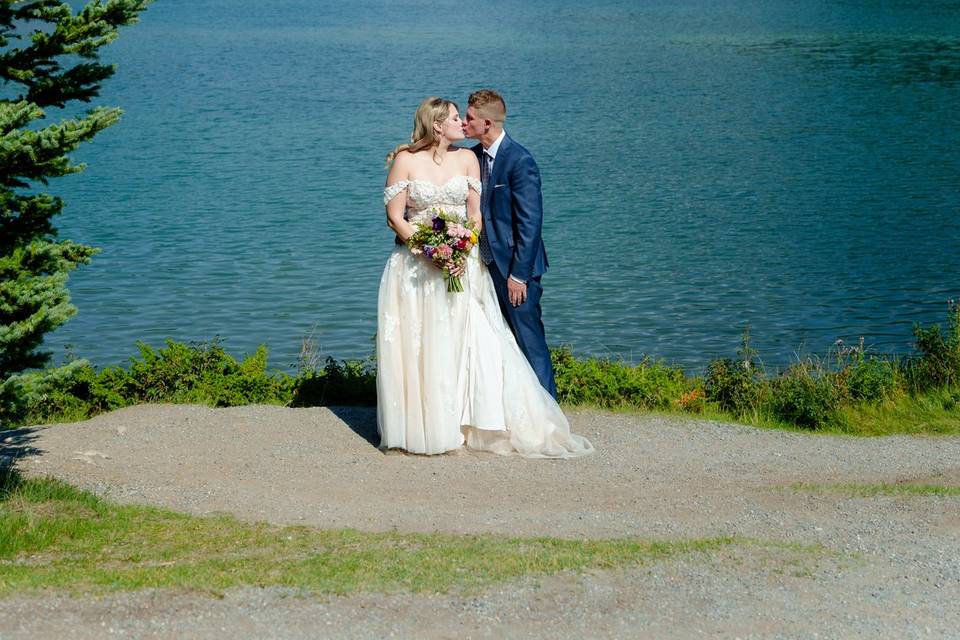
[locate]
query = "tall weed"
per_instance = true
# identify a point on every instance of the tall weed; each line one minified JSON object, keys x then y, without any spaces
{"x":938,"y":361}
{"x":737,"y":385}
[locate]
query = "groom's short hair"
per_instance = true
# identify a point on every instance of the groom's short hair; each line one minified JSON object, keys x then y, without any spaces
{"x":488,"y":104}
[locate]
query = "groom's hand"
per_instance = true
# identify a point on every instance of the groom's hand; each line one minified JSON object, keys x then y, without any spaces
{"x":516,"y":292}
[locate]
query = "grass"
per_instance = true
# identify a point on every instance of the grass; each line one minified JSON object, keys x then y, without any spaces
{"x":879,"y":489}
{"x":56,"y":537}
{"x":934,"y":413}
{"x":923,"y":414}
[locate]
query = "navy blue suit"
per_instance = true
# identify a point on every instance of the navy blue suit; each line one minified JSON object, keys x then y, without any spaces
{"x":512,"y":209}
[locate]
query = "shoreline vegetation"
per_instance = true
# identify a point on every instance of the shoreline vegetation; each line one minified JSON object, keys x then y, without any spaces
{"x":847,"y":391}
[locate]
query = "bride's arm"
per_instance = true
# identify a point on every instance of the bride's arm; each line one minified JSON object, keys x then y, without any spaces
{"x":473,"y":198}
{"x":397,"y":205}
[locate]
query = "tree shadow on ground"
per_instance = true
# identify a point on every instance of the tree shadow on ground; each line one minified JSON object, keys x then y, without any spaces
{"x":16,"y":444}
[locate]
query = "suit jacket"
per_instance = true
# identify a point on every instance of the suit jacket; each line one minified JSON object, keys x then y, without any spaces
{"x":512,"y":210}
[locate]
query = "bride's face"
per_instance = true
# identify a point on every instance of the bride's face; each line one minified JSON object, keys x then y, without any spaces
{"x":452,"y":127}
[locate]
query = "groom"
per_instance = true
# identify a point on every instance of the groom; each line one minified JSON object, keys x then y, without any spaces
{"x":511,"y":245}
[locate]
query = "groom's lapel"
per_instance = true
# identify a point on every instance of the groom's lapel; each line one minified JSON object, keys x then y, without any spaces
{"x":499,"y":170}
{"x":503,"y":158}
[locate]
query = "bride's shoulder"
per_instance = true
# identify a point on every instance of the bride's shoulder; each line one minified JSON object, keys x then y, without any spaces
{"x":414,"y":158}
{"x":403,"y":156}
{"x":403,"y":163}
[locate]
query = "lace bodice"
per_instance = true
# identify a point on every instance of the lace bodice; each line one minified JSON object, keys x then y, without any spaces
{"x":423,"y":196}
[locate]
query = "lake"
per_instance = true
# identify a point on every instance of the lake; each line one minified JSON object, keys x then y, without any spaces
{"x":707,"y":166}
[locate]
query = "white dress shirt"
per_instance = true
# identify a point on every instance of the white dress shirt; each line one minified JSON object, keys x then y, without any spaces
{"x":493,"y":148}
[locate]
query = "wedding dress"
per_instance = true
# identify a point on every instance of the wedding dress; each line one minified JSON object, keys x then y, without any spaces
{"x":449,"y":371}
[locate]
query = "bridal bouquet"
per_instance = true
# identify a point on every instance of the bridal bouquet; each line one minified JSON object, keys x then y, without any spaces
{"x":446,"y":241}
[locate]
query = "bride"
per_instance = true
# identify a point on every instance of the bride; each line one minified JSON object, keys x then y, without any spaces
{"x":449,"y":371}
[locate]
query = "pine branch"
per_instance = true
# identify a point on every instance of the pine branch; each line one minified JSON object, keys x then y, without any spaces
{"x":42,"y":258}
{"x":36,"y":67}
{"x":82,"y":82}
{"x":39,"y":155}
{"x":29,"y":308}
{"x":25,"y":218}
{"x":34,"y":299}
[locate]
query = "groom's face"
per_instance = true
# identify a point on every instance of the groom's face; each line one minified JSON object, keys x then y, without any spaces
{"x":473,"y":125}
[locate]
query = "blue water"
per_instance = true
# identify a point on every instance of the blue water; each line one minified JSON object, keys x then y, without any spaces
{"x":707,"y":165}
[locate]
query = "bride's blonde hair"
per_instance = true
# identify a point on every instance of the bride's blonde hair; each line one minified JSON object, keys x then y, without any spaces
{"x":431,"y":110}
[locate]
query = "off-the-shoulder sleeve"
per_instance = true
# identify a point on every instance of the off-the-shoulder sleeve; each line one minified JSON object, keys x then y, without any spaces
{"x":474,"y":184}
{"x":392,"y":190}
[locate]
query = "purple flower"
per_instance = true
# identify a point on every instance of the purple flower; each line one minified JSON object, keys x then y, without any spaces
{"x":427,"y":249}
{"x":438,"y":223}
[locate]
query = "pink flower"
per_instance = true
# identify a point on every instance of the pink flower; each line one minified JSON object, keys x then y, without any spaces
{"x":457,"y":230}
{"x":444,"y":251}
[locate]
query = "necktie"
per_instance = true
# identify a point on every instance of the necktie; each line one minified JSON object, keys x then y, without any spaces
{"x":485,"y":166}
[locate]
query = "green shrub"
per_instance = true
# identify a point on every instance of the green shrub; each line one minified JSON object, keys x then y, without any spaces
{"x":72,"y":391}
{"x":611,"y":384}
{"x":82,"y":395}
{"x":938,"y":361}
{"x":203,"y":372}
{"x":350,"y":382}
{"x":197,"y":372}
{"x":736,"y":385}
{"x":811,"y":394}
{"x":13,"y":402}
{"x":732,"y":385}
{"x":804,"y":396}
{"x":871,"y":379}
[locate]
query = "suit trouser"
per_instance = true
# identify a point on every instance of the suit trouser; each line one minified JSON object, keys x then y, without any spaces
{"x":526,"y":323}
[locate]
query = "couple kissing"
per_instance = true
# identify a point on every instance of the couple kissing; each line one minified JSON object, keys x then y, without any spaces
{"x":466,"y":366}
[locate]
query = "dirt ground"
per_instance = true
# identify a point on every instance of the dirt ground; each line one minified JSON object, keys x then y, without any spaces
{"x":890,"y":566}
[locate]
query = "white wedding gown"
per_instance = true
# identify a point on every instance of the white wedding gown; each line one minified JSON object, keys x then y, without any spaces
{"x":449,"y":371}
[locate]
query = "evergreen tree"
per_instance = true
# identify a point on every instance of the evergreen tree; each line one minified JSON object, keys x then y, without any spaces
{"x":49,"y":57}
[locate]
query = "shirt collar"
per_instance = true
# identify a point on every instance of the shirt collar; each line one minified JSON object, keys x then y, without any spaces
{"x":492,"y":151}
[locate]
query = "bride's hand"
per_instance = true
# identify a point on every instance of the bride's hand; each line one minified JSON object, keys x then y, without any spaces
{"x":456,"y":269}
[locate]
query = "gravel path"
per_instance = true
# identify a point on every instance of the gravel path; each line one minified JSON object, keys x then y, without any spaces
{"x":893,"y":570}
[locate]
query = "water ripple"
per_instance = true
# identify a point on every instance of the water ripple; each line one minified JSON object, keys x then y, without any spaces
{"x":788,"y":167}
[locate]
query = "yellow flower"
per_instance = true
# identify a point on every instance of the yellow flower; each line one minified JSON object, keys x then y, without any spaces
{"x":473,"y":237}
